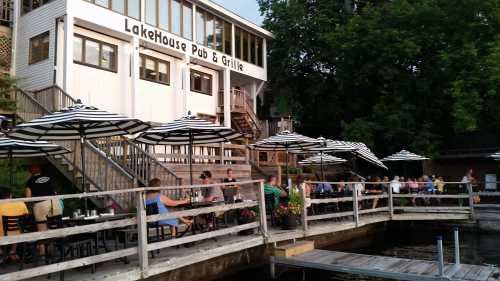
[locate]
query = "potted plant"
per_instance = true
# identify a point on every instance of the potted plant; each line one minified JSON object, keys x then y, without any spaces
{"x":289,"y":212}
{"x":245,"y":216}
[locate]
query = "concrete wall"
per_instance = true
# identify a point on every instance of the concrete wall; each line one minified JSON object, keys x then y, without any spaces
{"x":255,"y":257}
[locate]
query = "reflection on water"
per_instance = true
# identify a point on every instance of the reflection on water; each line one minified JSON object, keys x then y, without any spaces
{"x":416,"y":243}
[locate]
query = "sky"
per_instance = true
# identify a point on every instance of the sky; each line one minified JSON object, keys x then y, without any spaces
{"x":248,"y":9}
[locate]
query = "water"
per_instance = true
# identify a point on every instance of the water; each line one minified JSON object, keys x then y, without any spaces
{"x":415,"y":243}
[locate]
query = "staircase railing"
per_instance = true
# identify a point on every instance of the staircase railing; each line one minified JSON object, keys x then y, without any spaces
{"x":137,"y":161}
{"x":53,"y":98}
{"x":102,"y":173}
{"x":130,"y":157}
{"x":241,"y":103}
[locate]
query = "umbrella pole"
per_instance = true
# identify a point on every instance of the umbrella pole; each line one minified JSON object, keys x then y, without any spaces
{"x":11,"y":169}
{"x":286,"y":167}
{"x":190,"y":155}
{"x":84,"y":185}
{"x":322,"y":172}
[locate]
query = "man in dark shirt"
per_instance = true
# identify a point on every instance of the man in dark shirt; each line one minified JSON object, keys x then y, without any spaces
{"x":40,"y":185}
{"x":230,"y":191}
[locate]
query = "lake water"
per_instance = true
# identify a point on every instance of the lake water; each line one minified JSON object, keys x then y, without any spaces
{"x":416,"y":243}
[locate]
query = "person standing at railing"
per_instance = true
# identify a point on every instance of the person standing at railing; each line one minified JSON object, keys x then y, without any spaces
{"x":41,"y":185}
{"x":230,"y":192}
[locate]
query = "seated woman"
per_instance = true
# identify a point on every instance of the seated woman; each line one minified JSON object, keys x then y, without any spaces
{"x":162,"y":201}
{"x":11,"y":209}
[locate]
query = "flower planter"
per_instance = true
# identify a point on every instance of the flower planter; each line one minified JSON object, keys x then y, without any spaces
{"x":289,"y":222}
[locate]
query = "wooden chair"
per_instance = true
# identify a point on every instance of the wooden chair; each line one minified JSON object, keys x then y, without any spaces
{"x":22,"y":224}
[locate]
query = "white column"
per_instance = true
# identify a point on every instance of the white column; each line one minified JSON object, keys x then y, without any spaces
{"x":68,"y":52}
{"x":135,"y":61}
{"x":16,"y":12}
{"x":233,"y":42}
{"x":253,"y":93}
{"x":264,"y":56}
{"x":227,"y":97}
{"x":193,"y":22}
{"x":186,"y":84}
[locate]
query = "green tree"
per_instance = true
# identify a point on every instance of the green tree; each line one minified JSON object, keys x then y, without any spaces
{"x":402,"y":74}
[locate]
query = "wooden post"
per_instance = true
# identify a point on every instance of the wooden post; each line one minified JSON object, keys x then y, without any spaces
{"x":272,"y":267}
{"x":142,"y":235}
{"x":471,"y":200}
{"x":221,"y":153}
{"x":390,"y":202}
{"x":304,"y":206}
{"x":262,"y":209}
{"x":355,"y":205}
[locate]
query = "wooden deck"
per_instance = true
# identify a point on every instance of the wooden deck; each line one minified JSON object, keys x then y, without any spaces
{"x":352,"y":212}
{"x":388,"y":267}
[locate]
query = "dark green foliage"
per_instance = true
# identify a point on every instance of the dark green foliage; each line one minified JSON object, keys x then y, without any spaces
{"x":7,"y":101}
{"x":402,"y":74}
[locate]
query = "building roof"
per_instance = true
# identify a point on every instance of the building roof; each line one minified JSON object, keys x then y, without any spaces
{"x":234,"y":17}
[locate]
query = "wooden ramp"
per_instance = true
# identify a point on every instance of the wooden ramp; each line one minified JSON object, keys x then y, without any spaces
{"x":387,"y":267}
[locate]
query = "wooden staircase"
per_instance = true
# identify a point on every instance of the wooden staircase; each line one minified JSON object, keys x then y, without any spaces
{"x":110,"y":164}
{"x":243,"y":117}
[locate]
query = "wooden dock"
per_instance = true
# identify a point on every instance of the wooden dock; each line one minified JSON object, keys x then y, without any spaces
{"x":387,"y":267}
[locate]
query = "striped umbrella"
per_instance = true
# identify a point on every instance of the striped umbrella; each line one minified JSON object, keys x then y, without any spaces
{"x":189,"y":130}
{"x":322,"y":159}
{"x":405,"y":155}
{"x":495,"y":156}
{"x":12,"y":148}
{"x":78,"y":122}
{"x":286,"y":141}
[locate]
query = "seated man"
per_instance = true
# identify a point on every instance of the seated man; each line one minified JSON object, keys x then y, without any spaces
{"x":323,"y":187}
{"x":11,"y":209}
{"x":270,"y":187}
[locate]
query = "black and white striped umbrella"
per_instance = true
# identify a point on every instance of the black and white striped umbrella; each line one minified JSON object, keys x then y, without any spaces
{"x":495,"y":156}
{"x":189,"y":130}
{"x":12,"y":148}
{"x":78,"y":122}
{"x":286,"y":141}
{"x":405,"y":155}
{"x":329,"y":145}
{"x":322,"y":158}
{"x":362,"y":151}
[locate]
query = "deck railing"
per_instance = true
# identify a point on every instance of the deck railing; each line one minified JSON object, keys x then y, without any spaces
{"x":138,"y":223}
{"x":354,"y":203}
{"x":224,"y":153}
{"x":348,"y":211}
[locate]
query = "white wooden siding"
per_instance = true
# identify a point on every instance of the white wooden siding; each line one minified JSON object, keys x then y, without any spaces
{"x":38,"y":75}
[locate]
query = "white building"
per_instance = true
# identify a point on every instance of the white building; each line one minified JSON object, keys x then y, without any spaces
{"x":155,"y":60}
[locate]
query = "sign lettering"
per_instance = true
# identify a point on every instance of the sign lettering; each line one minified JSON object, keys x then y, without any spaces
{"x":164,"y":39}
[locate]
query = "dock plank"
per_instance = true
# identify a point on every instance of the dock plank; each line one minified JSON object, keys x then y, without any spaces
{"x":389,"y":267}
